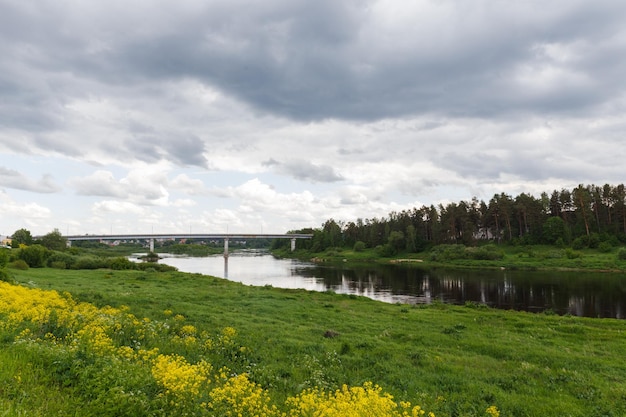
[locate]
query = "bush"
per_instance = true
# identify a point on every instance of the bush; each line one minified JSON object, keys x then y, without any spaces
{"x":5,"y":276}
{"x":553,"y":254}
{"x":147,"y":266}
{"x":19,"y":264}
{"x":385,"y":250}
{"x":359,"y":246}
{"x":621,"y":254}
{"x":593,"y":241}
{"x":34,"y":255}
{"x":4,"y":257}
{"x":89,"y":262}
{"x":121,"y":263}
{"x":484,"y":253}
{"x":605,"y":247}
{"x":61,"y":258}
{"x":572,"y":254}
{"x":57,"y":265}
{"x":444,"y":253}
{"x":579,"y":243}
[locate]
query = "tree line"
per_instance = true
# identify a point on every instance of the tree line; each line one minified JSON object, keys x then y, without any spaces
{"x":585,"y":216}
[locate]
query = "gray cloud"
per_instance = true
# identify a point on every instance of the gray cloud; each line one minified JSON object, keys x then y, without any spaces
{"x":341,"y":59}
{"x":13,"y":179}
{"x":304,"y":170}
{"x":186,"y":150}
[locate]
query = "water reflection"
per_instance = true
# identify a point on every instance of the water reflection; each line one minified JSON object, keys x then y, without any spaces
{"x":580,"y":294}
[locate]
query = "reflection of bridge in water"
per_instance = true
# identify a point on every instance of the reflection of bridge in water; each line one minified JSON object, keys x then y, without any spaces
{"x":150,"y":238}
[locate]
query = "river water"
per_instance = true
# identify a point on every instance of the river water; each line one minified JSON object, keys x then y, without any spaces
{"x":581,"y":293}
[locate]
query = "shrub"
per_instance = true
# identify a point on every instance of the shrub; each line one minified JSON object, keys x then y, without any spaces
{"x":5,"y":276}
{"x":89,"y":262}
{"x":120,"y":263}
{"x":484,"y":253}
{"x":148,"y":266}
{"x":60,"y":257}
{"x":34,"y":255}
{"x":359,"y":246}
{"x":57,"y":265}
{"x":593,"y":241}
{"x":579,"y":243}
{"x":605,"y":247}
{"x":553,"y":254}
{"x":447,"y":252}
{"x":385,"y":250}
{"x":19,"y":264}
{"x":572,"y":254}
{"x":621,"y":255}
{"x":4,"y":257}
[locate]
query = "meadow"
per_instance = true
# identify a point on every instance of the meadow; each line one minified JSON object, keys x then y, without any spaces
{"x":115,"y":343}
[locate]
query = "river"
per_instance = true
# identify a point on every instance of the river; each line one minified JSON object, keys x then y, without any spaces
{"x":582,"y":293}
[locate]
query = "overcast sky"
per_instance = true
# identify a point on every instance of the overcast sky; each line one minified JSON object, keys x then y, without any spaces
{"x":268,"y":116}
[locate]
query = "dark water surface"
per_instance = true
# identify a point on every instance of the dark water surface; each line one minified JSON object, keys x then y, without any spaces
{"x":580,"y":293}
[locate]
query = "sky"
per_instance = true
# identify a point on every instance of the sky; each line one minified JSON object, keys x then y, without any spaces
{"x":212,"y":116}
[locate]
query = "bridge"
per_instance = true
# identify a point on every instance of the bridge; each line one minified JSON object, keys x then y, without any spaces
{"x":177,"y":236}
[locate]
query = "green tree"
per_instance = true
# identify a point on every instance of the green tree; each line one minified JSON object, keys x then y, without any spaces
{"x":54,"y":241}
{"x":21,"y":236}
{"x":553,"y":229}
{"x":619,"y":200}
{"x":396,"y":241}
{"x":581,"y":198}
{"x":332,"y":234}
{"x":411,"y":237}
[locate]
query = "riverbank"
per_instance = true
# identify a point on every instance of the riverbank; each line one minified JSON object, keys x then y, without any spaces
{"x":449,"y":360}
{"x":535,"y":258}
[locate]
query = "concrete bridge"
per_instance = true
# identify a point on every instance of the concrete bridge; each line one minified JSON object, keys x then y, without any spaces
{"x":177,"y":236}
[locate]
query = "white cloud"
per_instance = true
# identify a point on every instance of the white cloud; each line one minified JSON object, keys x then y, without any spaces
{"x":288,"y":113}
{"x":189,"y":186}
{"x":104,"y":208}
{"x":100,"y":183}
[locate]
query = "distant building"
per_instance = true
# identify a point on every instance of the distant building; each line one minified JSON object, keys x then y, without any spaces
{"x":6,"y":241}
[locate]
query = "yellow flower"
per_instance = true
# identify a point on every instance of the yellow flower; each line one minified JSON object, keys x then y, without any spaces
{"x":241,"y":397}
{"x":178,"y":376}
{"x":493,"y":411}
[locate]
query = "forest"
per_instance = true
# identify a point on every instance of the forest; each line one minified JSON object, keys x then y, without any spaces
{"x":588,"y":216}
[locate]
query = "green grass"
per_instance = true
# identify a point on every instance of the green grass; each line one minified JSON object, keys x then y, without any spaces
{"x":26,"y":389}
{"x":451,"y":360}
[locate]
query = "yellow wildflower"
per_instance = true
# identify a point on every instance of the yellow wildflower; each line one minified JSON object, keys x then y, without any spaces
{"x":493,"y":411}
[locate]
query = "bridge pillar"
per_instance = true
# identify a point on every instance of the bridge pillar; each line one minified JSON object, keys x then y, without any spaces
{"x":293,"y":244}
{"x":225,"y":247}
{"x":152,"y":245}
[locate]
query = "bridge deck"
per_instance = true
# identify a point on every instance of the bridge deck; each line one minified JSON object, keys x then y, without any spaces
{"x":189,"y":236}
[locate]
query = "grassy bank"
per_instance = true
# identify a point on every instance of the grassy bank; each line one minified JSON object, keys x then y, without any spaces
{"x":537,"y":257}
{"x":449,"y":360}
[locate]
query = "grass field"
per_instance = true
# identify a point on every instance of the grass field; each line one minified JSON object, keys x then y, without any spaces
{"x":452,"y":361}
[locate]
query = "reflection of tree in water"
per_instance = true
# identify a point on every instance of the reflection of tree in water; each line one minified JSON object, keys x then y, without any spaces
{"x":580,"y":294}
